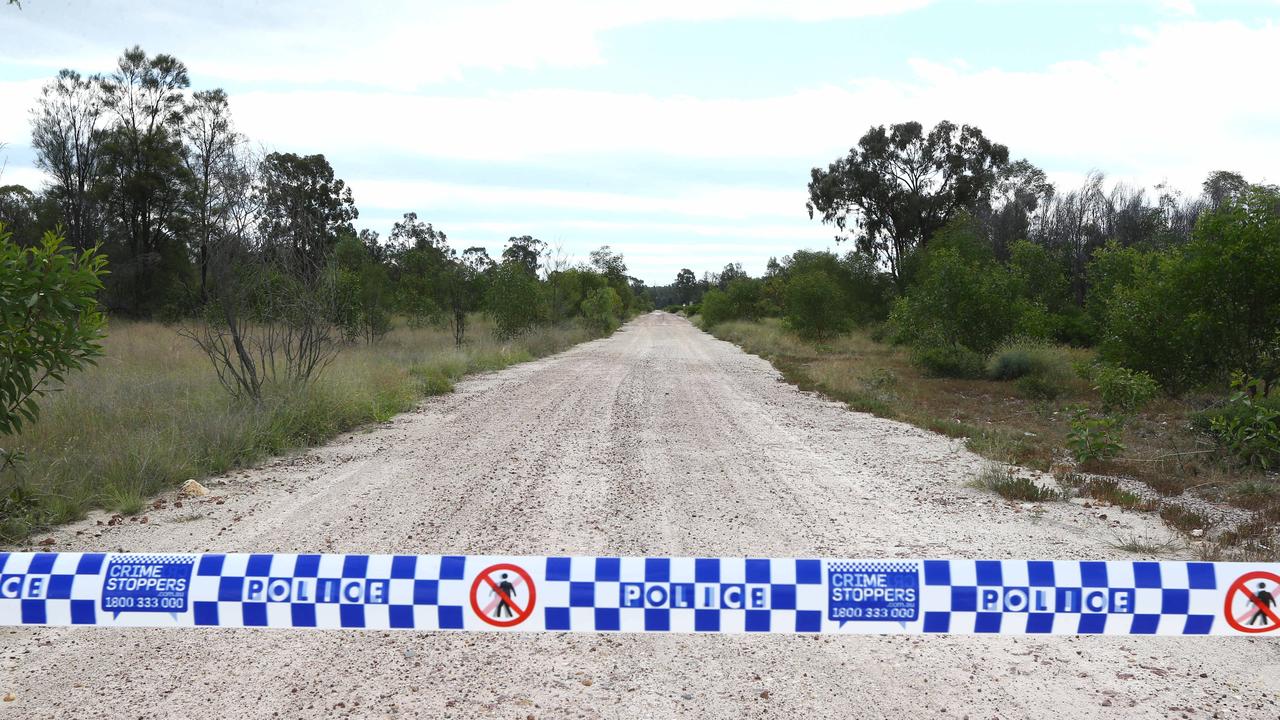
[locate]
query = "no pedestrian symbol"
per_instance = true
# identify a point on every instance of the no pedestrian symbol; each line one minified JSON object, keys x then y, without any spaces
{"x":1251,"y":604}
{"x":503,"y":595}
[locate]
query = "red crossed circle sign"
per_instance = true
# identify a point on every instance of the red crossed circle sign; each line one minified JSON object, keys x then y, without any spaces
{"x":1254,"y":605}
{"x":517,"y":598}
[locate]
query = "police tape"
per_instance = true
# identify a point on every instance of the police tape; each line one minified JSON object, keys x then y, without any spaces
{"x":638,"y":594}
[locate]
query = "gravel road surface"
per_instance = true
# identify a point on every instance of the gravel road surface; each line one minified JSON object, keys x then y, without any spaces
{"x":658,"y":440}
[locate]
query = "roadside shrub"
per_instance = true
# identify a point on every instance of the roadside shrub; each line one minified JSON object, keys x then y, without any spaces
{"x":1249,"y":430}
{"x":948,"y":361}
{"x":1043,"y":371}
{"x":1122,"y":389}
{"x":716,"y":308}
{"x":815,"y":306}
{"x":50,"y":324}
{"x":1020,"y":356}
{"x":746,"y":298}
{"x":1209,"y":307}
{"x":514,"y":300}
{"x":1093,"y":439}
{"x":961,"y":296}
{"x":1108,"y":490}
{"x":601,"y":309}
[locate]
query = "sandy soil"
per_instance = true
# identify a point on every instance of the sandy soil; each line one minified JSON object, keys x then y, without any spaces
{"x":658,"y":440}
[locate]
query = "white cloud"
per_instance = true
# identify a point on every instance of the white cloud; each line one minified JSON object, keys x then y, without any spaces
{"x":18,"y":175}
{"x":1181,"y":8}
{"x":713,"y":202}
{"x":16,"y":98}
{"x":1182,"y":100}
{"x":400,"y":44}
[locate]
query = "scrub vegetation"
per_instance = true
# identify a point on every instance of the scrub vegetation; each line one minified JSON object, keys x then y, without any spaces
{"x":1093,"y":330}
{"x":231,"y":305}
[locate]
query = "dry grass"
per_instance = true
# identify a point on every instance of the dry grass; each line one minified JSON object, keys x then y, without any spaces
{"x":152,"y":414}
{"x":1162,"y":450}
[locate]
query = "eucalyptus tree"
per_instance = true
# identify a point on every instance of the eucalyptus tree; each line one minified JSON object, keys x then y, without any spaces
{"x":900,"y":185}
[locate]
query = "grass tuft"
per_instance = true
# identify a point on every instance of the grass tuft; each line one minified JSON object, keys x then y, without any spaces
{"x":1006,"y":483}
{"x":1139,"y":545}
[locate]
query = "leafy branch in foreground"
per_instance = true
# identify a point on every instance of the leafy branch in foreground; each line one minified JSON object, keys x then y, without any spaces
{"x":49,"y":322}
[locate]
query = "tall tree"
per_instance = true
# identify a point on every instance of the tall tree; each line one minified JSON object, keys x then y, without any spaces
{"x":422,"y":264}
{"x":1072,"y":226}
{"x":67,"y":136}
{"x":413,"y":234}
{"x":1224,"y":186}
{"x":462,"y":287}
{"x":686,"y":285}
{"x":731,"y":272}
{"x":149,"y":179}
{"x":211,"y":147}
{"x":304,"y":208}
{"x":525,"y":251}
{"x":901,"y":185}
{"x":1020,"y":190}
{"x":27,"y":215}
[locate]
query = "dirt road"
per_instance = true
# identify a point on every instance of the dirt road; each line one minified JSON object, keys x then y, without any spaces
{"x":658,"y":440}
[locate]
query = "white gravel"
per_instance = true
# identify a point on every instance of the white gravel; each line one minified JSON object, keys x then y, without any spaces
{"x":659,"y":440}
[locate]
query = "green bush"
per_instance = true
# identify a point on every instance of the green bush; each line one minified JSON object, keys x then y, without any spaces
{"x":1203,"y":310}
{"x":50,"y":323}
{"x":960,"y":297}
{"x":601,"y":309}
{"x":1042,"y":386}
{"x":1122,"y":389}
{"x":716,"y":308}
{"x":948,"y":361}
{"x":1043,"y":371}
{"x":815,"y":306}
{"x":514,"y":300}
{"x":1023,"y":356}
{"x":1249,"y":429}
{"x":746,"y":298}
{"x":1093,"y":438}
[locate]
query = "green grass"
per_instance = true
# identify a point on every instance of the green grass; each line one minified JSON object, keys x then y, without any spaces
{"x":152,"y":414}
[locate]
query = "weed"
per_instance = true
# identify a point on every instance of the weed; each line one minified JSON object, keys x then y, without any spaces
{"x":1092,"y":439}
{"x":1183,"y":518}
{"x":1254,"y":494}
{"x":1123,"y":390}
{"x":1108,"y":491}
{"x":1249,"y":430}
{"x":1139,"y":545}
{"x":1011,"y":486}
{"x":1042,"y":371}
{"x":950,"y":427}
{"x":949,"y":362}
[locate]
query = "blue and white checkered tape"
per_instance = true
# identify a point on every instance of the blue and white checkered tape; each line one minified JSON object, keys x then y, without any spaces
{"x":638,"y":594}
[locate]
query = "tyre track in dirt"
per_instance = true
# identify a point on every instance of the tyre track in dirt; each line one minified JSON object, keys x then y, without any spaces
{"x":657,"y":440}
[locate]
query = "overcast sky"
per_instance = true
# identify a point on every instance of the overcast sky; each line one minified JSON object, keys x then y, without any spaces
{"x":679,"y":132}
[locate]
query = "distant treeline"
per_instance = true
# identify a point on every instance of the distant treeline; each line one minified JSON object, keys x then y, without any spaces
{"x":954,"y":249}
{"x":188,"y":214}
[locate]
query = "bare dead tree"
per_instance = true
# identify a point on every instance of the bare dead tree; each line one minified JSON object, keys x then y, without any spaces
{"x":265,"y":323}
